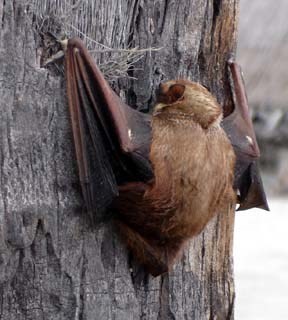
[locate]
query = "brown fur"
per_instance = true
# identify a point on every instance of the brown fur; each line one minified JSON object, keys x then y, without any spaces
{"x":193,"y":164}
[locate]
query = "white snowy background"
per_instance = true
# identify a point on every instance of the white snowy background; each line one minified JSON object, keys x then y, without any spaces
{"x":261,"y":263}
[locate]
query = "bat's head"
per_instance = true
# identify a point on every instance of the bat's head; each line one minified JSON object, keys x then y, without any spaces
{"x":187,"y":99}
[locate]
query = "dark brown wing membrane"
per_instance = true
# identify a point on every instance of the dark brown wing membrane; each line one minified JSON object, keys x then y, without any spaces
{"x":111,"y":139}
{"x":239,"y":128}
{"x":251,"y":186}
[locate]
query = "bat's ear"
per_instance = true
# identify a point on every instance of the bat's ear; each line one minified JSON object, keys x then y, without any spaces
{"x":176,"y":92}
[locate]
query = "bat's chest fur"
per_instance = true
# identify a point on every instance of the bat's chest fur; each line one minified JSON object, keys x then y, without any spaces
{"x":192,"y":170}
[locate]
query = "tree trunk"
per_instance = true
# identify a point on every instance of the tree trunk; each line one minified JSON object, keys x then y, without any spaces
{"x":53,"y":265}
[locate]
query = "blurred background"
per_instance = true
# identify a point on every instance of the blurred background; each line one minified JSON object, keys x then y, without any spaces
{"x":261,"y":238}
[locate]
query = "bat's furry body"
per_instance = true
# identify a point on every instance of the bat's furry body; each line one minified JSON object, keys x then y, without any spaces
{"x":193,"y":164}
{"x":168,"y":182}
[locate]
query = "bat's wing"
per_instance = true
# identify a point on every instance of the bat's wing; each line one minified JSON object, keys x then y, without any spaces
{"x":111,"y":139}
{"x":239,"y":128}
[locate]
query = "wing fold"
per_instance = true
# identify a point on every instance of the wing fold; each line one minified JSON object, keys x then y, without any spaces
{"x":111,"y":139}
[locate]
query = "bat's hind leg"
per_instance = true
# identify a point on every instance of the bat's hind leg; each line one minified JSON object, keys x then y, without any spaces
{"x":155,"y":259}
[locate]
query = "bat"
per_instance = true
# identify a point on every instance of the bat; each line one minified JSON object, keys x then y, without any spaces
{"x":188,"y":148}
{"x":120,"y":165}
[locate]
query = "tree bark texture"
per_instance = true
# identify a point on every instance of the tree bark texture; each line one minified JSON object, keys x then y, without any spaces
{"x":53,"y":264}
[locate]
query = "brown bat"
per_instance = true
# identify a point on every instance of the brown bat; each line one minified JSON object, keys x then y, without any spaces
{"x":166,"y":176}
{"x":193,"y":163}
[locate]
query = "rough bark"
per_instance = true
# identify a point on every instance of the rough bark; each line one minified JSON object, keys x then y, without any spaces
{"x":53,"y":265}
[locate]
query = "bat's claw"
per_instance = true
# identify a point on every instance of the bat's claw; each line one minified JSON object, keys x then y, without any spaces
{"x":60,"y":54}
{"x":231,"y":59}
{"x":64,"y":44}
